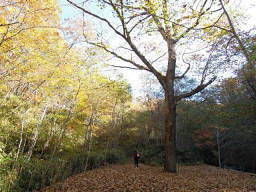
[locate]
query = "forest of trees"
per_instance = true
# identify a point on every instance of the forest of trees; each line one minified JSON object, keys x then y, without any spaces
{"x":64,"y":110}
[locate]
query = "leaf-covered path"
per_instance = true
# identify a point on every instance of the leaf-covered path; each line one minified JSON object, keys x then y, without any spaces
{"x":146,"y":178}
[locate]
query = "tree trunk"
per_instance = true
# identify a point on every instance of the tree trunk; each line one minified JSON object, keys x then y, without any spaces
{"x":89,"y":125}
{"x":21,"y":133}
{"x":21,"y":139}
{"x":34,"y":140}
{"x":218,"y":144}
{"x":170,"y":135}
{"x":170,"y":110}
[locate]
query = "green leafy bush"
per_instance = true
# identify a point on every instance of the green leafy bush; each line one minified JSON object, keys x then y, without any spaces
{"x":5,"y":173}
{"x":115,"y":156}
{"x":155,"y":155}
{"x":189,"y":157}
{"x":38,"y":173}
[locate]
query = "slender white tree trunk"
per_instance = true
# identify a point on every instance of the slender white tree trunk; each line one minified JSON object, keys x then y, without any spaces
{"x":34,"y":140}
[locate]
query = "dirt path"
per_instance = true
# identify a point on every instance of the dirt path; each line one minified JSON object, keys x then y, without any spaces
{"x":201,"y":178}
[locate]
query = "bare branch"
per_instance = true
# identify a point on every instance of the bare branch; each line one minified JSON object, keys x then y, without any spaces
{"x":183,"y":75}
{"x":201,"y":13}
{"x":226,"y":47}
{"x":139,"y":23}
{"x":24,"y":29}
{"x":222,"y":28}
{"x":96,"y":16}
{"x":134,"y":16}
{"x":159,"y":26}
{"x":118,"y":56}
{"x":146,"y":62}
{"x":7,"y":24}
{"x":127,"y":38}
{"x":206,"y":66}
{"x":120,"y":16}
{"x":158,"y":58}
{"x":124,"y":67}
{"x":194,"y":91}
{"x":213,"y":25}
{"x":4,"y":35}
{"x":125,"y":48}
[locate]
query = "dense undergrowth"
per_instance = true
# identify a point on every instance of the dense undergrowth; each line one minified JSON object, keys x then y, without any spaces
{"x":155,"y":155}
{"x":24,"y":175}
{"x":37,"y":173}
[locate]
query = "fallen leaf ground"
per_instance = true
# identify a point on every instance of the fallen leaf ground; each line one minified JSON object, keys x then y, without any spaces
{"x":153,"y":179}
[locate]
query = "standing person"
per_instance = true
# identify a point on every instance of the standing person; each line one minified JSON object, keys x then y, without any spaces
{"x":136,"y":158}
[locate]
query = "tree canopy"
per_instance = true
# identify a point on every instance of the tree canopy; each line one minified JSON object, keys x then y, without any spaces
{"x":64,"y":109}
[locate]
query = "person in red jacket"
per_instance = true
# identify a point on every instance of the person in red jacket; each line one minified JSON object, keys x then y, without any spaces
{"x":136,"y":158}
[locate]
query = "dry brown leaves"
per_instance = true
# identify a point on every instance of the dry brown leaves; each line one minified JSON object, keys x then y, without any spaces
{"x":127,"y":178}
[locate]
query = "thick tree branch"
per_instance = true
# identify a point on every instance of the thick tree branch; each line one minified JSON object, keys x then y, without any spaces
{"x":194,"y":91}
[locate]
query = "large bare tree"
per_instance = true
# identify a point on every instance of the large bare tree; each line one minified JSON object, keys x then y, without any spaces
{"x":150,"y":31}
